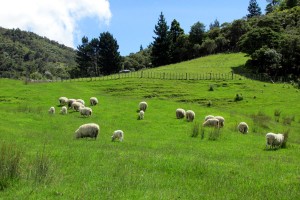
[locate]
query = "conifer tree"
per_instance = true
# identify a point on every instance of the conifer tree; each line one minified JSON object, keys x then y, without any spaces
{"x":253,"y":9}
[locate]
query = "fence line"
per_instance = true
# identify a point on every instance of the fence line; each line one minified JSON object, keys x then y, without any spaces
{"x":176,"y":76}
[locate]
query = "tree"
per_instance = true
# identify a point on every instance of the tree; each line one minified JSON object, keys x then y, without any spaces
{"x":216,"y":24}
{"x":253,"y":9}
{"x":271,"y":6}
{"x":162,"y":43}
{"x":83,"y":59}
{"x":175,"y":33}
{"x":109,"y":57}
{"x":197,"y":33}
{"x":291,"y":3}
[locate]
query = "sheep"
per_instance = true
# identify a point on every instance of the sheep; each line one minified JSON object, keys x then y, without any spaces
{"x":180,"y":113}
{"x":221,"y":120}
{"x":118,"y":134}
{"x":143,"y":106}
{"x":70,"y":101}
{"x":212,"y":122}
{"x":51,"y":110}
{"x":274,"y":140}
{"x":93,"y":101}
{"x":208,"y":117}
{"x":190,"y":115}
{"x":81,"y":101}
{"x":87,"y":130}
{"x":76,"y":105}
{"x":141,"y":114}
{"x":64,"y":110}
{"x":243,"y":127}
{"x":86,"y":111}
{"x":63,"y":101}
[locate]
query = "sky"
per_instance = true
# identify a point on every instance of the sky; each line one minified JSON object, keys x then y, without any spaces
{"x":131,"y":22}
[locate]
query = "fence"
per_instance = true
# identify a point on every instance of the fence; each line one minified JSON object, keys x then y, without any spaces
{"x":176,"y":76}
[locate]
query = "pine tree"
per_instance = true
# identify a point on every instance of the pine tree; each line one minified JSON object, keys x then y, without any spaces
{"x":253,"y":9}
{"x":162,"y":43}
{"x":109,"y":57}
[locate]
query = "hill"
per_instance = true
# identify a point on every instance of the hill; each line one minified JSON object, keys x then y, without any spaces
{"x":159,"y":158}
{"x":26,"y":54}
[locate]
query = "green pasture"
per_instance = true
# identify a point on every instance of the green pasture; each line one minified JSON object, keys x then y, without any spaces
{"x":158,"y":159}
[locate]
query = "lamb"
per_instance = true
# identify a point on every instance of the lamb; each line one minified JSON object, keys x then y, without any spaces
{"x":86,"y":111}
{"x":51,"y":110}
{"x":81,"y":101}
{"x":208,"y":117}
{"x":274,"y":140}
{"x":76,"y":105}
{"x":64,"y":110}
{"x":180,"y":113}
{"x":141,"y":114}
{"x":118,"y":134}
{"x":221,"y":120}
{"x":243,"y":127}
{"x":190,"y":115}
{"x":63,"y":101}
{"x":212,"y":122}
{"x":87,"y":130}
{"x":93,"y":101}
{"x":143,"y":106}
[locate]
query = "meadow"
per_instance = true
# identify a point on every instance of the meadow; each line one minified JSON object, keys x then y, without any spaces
{"x":160,"y":157}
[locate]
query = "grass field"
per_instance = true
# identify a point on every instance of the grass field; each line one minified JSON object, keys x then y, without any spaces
{"x":158,"y":158}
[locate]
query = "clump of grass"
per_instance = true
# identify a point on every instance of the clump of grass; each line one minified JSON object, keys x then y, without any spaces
{"x":211,"y":88}
{"x":238,"y":97}
{"x":195,"y":129}
{"x":209,"y":103}
{"x":9,"y":165}
{"x":288,"y":120}
{"x":286,"y":136}
{"x":261,"y":119}
{"x":277,"y":115}
{"x":214,"y":134}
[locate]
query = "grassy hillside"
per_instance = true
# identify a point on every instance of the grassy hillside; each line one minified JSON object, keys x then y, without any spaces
{"x":158,"y":158}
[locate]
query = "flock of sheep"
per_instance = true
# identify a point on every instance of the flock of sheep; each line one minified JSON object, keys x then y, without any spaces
{"x":92,"y":130}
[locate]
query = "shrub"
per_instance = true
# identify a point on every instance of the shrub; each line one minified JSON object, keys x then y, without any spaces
{"x":9,"y":165}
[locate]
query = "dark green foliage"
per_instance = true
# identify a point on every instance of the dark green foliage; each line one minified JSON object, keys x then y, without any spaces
{"x":253,"y":9}
{"x":161,"y":45}
{"x":197,"y":32}
{"x":137,"y":61}
{"x":23,"y":53}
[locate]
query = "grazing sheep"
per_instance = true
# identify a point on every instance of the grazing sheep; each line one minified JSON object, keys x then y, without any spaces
{"x":76,"y":105}
{"x":81,"y":101}
{"x":64,"y":110}
{"x":70,"y":101}
{"x":221,"y":120}
{"x":180,"y":113}
{"x":93,"y":101}
{"x":190,"y":115}
{"x":118,"y":134}
{"x":274,"y":140}
{"x":208,"y":117}
{"x":86,"y":111}
{"x":213,"y":122}
{"x":243,"y":127}
{"x":63,"y":101}
{"x":141,"y":114}
{"x":51,"y":110}
{"x":143,"y":106}
{"x":87,"y":130}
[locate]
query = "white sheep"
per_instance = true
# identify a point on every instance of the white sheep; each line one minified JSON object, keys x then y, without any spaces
{"x":70,"y":101}
{"x":243,"y":127}
{"x":180,"y":113}
{"x":63,"y":101}
{"x":212,"y":122}
{"x":141,"y":114}
{"x":208,"y":117}
{"x":93,"y":101}
{"x":274,"y":140}
{"x":221,"y":120}
{"x":143,"y":106}
{"x":118,"y":134}
{"x":86,"y":111}
{"x":190,"y":115}
{"x":81,"y":101}
{"x":51,"y":110}
{"x":88,"y":130}
{"x":76,"y":105}
{"x":64,"y":110}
